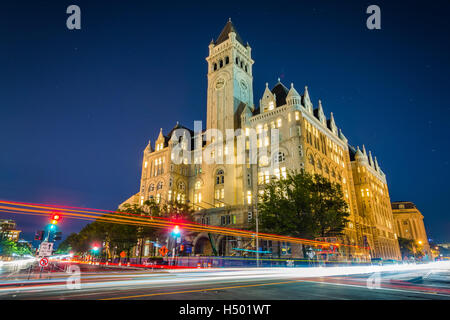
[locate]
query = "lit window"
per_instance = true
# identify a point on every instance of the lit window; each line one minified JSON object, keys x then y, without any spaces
{"x":259,"y":128}
{"x":279,"y":122}
{"x":271,"y":105}
{"x":277,"y":173}
{"x":145,"y":164}
{"x":297,"y":115}
{"x":220,"y":177}
{"x":249,"y":197}
{"x":260,"y":177}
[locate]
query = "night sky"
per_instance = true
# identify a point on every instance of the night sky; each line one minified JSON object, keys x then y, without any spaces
{"x":77,"y":108}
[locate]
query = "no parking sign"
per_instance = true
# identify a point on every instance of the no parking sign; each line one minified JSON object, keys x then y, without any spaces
{"x":43,"y":262}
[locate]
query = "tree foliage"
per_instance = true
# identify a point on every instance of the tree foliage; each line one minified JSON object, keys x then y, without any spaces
{"x":121,"y":236}
{"x":303,"y":205}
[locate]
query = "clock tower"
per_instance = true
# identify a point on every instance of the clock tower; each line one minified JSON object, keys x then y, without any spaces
{"x":230,"y":80}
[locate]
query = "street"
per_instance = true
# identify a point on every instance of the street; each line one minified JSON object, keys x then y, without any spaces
{"x":335,"y":283}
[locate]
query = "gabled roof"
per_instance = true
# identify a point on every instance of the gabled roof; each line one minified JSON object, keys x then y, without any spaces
{"x":281,"y":93}
{"x":229,"y":27}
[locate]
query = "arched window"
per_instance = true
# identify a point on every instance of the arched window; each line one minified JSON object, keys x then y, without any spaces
{"x":280,"y":157}
{"x":181,"y":185}
{"x":227,"y":60}
{"x":326,"y":169}
{"x":246,"y":69}
{"x":151,"y":188}
{"x":220,"y":63}
{"x":237,"y":60}
{"x":197,"y":186}
{"x":311,"y":159}
{"x":242,"y":64}
{"x":333,"y":174}
{"x":159,"y":186}
{"x":220,"y":177}
{"x":319,"y":165}
{"x":215,"y":66}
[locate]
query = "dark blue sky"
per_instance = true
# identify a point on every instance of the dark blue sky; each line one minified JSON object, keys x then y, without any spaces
{"x":77,"y":107}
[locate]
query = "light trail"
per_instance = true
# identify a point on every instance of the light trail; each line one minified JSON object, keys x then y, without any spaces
{"x":204,"y":277}
{"x":151,"y":221}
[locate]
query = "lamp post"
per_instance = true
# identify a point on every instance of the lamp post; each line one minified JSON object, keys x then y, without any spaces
{"x":257,"y":230}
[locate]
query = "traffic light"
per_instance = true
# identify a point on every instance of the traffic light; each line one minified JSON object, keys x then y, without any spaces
{"x":55,"y":218}
{"x":182,"y":248}
{"x":57,"y":235}
{"x":39,"y":236}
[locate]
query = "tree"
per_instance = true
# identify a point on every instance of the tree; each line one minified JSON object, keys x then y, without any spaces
{"x":23,"y":249}
{"x":303,"y":205}
{"x":7,"y":247}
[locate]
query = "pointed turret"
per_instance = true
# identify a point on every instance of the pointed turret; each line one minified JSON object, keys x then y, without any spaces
{"x":371,"y":159}
{"x":342,"y":137}
{"x":359,"y":156}
{"x":267,"y":102}
{"x":293,"y":98}
{"x":364,"y":150}
{"x":224,"y":35}
{"x":320,"y":112}
{"x":160,"y":136}
{"x":377,"y":167}
{"x":307,"y":100}
{"x":148,"y":148}
{"x":332,"y":124}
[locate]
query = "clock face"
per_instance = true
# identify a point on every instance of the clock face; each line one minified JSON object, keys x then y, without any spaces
{"x":220,"y":83}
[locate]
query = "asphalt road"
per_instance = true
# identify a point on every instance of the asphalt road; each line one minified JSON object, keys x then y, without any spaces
{"x":229,"y":284}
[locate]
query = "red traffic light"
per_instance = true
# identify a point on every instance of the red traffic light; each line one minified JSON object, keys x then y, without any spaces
{"x":55,"y":218}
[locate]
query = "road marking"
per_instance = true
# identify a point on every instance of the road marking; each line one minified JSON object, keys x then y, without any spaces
{"x":381,"y":288}
{"x":200,"y":290}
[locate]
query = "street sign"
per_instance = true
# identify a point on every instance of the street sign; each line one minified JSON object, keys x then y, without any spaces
{"x":163,"y":251}
{"x":45,"y":249}
{"x":43,"y":262}
{"x":310,"y":254}
{"x":123,"y":254}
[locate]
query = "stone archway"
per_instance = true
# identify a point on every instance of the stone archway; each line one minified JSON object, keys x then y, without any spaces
{"x":203,"y":246}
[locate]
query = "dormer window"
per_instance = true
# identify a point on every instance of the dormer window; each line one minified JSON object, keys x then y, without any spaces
{"x":271,"y":105}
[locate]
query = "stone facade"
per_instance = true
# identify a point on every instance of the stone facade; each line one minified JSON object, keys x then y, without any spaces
{"x":226,"y":194}
{"x":408,"y":221}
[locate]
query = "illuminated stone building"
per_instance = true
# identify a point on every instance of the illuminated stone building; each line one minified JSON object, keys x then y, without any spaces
{"x":375,"y":222}
{"x":8,"y":230}
{"x":226,"y":194}
{"x":408,"y":221}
